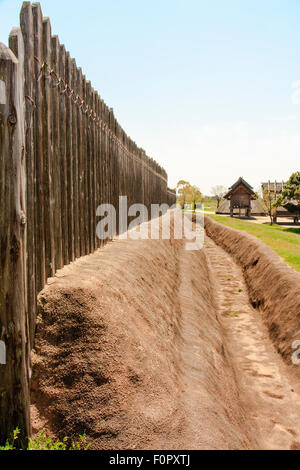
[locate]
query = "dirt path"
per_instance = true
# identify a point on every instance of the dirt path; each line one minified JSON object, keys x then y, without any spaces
{"x":206,"y":367}
{"x":145,"y":345}
{"x":267,"y":391}
{"x":284,"y":222}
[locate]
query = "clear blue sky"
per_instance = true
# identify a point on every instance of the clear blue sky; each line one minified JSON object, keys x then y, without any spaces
{"x":205,"y":86}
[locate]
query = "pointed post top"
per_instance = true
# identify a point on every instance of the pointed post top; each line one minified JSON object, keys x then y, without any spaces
{"x":7,"y":54}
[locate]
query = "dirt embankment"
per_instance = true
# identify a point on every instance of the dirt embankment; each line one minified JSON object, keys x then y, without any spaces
{"x":273,"y":286}
{"x":130,"y":351}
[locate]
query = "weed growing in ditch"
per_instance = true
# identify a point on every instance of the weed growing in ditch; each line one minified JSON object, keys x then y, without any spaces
{"x":234,"y":314}
{"x":42,"y":442}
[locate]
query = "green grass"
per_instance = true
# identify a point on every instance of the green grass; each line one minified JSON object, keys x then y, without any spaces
{"x":284,"y":241}
{"x":210,"y":205}
{"x":42,"y":442}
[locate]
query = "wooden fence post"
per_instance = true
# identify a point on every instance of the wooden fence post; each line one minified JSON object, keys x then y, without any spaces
{"x":63,"y":157}
{"x":81,"y":156}
{"x":75,"y":156}
{"x":69,"y":160}
{"x":48,"y":152}
{"x":14,"y":375}
{"x":40,"y":260}
{"x":27,"y":32}
{"x":57,"y":183}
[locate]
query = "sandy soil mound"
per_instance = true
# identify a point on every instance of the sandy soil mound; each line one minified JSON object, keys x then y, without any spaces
{"x":129,"y":350}
{"x":273,"y":286}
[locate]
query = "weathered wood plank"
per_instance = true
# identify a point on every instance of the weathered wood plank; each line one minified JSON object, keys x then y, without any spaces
{"x":91,"y":177}
{"x":80,"y":166}
{"x":94,"y":171}
{"x":56,"y":156}
{"x":75,"y":159}
{"x":97,"y":163}
{"x":88,"y":169}
{"x":69,"y":159}
{"x":48,"y":153}
{"x":27,"y":32}
{"x":85,"y":168}
{"x":63,"y":157}
{"x":40,"y":263}
{"x":102,"y":159}
{"x":14,"y":375}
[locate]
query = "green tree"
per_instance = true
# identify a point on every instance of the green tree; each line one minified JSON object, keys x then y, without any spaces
{"x":194,"y":196}
{"x":188,"y":194}
{"x":268,"y":202}
{"x":290,"y":196}
{"x":181,"y":188}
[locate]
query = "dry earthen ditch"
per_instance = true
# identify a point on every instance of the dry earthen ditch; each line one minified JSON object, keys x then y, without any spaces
{"x":145,"y":345}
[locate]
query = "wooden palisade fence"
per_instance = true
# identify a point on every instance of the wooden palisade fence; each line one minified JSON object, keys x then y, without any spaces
{"x":62,"y":154}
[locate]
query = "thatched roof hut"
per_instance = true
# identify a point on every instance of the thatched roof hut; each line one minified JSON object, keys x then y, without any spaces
{"x":241,"y":197}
